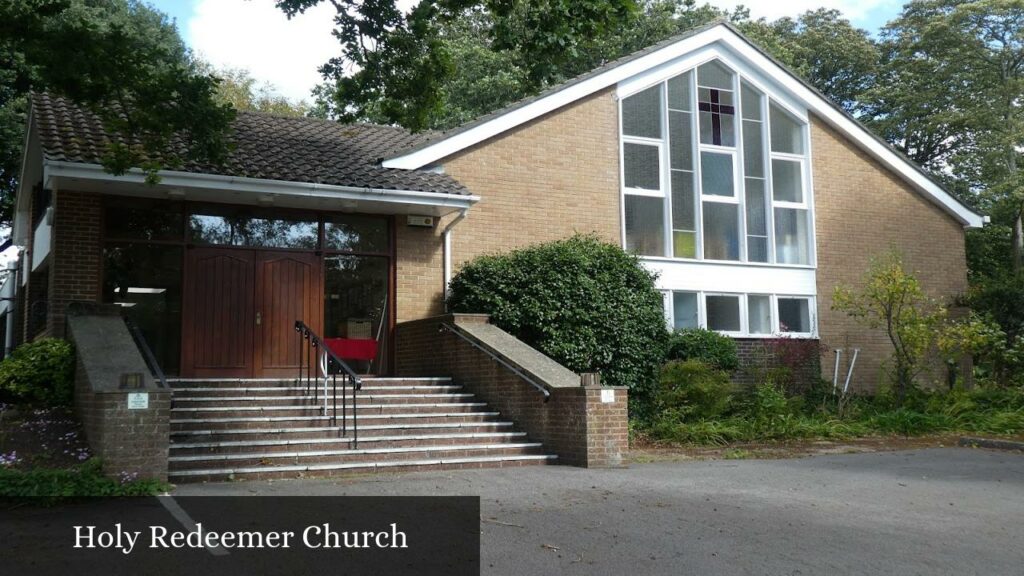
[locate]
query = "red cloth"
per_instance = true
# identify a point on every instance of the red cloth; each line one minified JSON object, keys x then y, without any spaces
{"x":353,"y":348}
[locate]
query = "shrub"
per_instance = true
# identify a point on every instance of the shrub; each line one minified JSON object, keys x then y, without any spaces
{"x":692,"y":390}
{"x":40,"y":372}
{"x":707,"y":346}
{"x":54,"y":484}
{"x":585,"y":303}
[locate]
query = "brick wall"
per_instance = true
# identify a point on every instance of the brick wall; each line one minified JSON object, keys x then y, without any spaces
{"x":573,"y":423}
{"x":75,"y":272}
{"x":126,"y":441}
{"x":862,"y":210}
{"x":761,"y":357}
{"x":132,"y":441}
{"x":544,"y":180}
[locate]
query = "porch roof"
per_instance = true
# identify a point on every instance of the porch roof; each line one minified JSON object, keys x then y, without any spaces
{"x":266,"y":147}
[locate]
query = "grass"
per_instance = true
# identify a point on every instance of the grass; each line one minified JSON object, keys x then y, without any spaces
{"x":767,"y":415}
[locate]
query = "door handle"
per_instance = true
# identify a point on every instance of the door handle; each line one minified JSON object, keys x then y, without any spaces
{"x":259,"y":319}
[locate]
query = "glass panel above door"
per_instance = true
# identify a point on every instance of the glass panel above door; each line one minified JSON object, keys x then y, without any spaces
{"x":351,"y":233}
{"x":225,"y":227}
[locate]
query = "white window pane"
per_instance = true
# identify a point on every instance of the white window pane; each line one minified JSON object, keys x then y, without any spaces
{"x":684,"y":215}
{"x":684,"y":310}
{"x":723,"y":313}
{"x":786,"y":181}
{"x":751,"y":100}
{"x":680,"y":140}
{"x":759,"y":314}
{"x":679,"y":92}
{"x":642,"y":166}
{"x":721,"y":231}
{"x":716,"y":174}
{"x":714,"y":75}
{"x":795,"y":315}
{"x":753,"y":149}
{"x":645,"y":225}
{"x":787,"y":135}
{"x":791,"y":239}
{"x":641,"y":113}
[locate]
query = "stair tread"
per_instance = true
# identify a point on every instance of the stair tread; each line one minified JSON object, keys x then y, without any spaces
{"x":303,"y":396}
{"x":314,"y":453}
{"x":306,"y":430}
{"x":356,"y":465}
{"x":317,"y":406}
{"x":344,"y":440}
{"x":376,"y":416}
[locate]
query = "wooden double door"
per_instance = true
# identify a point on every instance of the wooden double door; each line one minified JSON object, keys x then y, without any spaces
{"x":239,"y":311}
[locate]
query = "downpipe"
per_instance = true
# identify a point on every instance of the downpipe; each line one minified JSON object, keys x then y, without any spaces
{"x":447,"y":243}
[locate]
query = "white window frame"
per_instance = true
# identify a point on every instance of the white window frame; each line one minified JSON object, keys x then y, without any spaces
{"x":812,"y":316}
{"x":767,"y":98}
{"x":668,"y":297}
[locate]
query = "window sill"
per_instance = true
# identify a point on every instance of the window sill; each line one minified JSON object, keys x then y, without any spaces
{"x":727,"y":262}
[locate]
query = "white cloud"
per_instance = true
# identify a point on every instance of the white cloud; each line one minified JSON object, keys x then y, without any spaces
{"x":257,"y":36}
{"x":855,"y":10}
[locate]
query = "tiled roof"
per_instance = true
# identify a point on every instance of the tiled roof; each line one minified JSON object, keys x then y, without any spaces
{"x":265,"y":146}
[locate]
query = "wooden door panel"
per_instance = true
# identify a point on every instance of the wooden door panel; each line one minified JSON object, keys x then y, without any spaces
{"x":217,"y":334}
{"x":287,"y":289}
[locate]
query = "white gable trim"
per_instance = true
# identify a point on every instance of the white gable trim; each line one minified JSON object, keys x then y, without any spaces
{"x":727,"y":37}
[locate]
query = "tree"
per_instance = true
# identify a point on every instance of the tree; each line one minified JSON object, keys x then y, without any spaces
{"x":237,"y":88}
{"x":949,"y":95}
{"x":892,"y":298}
{"x":120,"y":59}
{"x":820,"y":45}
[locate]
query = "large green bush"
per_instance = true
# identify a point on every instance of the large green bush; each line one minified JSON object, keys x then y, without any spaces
{"x":692,"y":390}
{"x":585,"y":303}
{"x":707,"y":346}
{"x":40,"y":372}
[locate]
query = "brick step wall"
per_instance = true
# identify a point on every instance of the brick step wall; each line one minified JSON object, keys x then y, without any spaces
{"x":228,"y":429}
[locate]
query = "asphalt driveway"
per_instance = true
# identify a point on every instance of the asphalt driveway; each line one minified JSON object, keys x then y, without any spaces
{"x":936,"y":511}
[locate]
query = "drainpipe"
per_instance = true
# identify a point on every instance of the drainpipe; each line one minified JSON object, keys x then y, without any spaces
{"x":447,"y":236}
{"x":14,"y":280}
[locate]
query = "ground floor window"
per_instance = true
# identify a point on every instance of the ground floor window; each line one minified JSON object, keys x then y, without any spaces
{"x":146,"y":280}
{"x":741,"y":314}
{"x":356,"y":300}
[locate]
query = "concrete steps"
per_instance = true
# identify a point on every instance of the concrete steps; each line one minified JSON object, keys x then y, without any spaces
{"x":229,"y":429}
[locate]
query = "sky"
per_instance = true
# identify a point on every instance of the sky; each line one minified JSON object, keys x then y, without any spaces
{"x":254,"y":35}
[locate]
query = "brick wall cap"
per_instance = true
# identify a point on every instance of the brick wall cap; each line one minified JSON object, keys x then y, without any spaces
{"x":105,"y":351}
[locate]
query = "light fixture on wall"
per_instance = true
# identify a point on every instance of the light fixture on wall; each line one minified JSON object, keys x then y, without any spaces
{"x":176,"y":194}
{"x":266,"y":200}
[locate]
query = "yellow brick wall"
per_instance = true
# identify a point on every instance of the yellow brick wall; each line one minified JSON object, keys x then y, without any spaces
{"x":862,"y":210}
{"x":541,"y":181}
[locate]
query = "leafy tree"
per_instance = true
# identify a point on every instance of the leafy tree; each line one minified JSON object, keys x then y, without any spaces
{"x":122,"y":60}
{"x":837,"y":58}
{"x":237,"y":88}
{"x":892,"y":298}
{"x":949,"y":95}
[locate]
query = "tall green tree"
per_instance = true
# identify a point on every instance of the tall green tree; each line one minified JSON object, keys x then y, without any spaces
{"x":237,"y":87}
{"x":122,"y":60}
{"x":950,"y":94}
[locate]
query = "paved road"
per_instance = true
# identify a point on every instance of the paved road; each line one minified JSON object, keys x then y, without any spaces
{"x":939,"y":511}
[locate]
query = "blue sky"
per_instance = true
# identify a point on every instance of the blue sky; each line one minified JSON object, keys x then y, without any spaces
{"x":254,"y":35}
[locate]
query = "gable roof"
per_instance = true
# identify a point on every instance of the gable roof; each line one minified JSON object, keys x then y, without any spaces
{"x":265,"y":147}
{"x":439,"y":146}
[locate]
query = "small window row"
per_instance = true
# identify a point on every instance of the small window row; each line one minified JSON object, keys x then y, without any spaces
{"x":741,"y":314}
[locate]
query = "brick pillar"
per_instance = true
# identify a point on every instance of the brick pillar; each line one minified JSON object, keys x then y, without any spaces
{"x":75,"y":273}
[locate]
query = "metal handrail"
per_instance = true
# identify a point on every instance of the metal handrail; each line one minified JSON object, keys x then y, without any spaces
{"x":543,"y":390}
{"x":147,"y":352}
{"x":327,"y":360}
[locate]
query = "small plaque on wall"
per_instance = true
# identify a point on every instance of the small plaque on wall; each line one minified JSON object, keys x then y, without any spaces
{"x":138,"y":400}
{"x":607,"y":396}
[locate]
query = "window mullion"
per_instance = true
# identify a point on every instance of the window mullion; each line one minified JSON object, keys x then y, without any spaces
{"x":666,"y":173}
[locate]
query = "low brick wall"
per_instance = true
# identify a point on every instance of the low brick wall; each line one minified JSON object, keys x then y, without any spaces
{"x":758,"y":357}
{"x":584,"y":425}
{"x":127,"y":439}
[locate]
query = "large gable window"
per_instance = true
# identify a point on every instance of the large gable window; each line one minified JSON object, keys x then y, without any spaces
{"x":714,"y":169}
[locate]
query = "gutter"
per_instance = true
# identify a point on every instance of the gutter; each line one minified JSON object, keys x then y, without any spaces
{"x":173,"y":178}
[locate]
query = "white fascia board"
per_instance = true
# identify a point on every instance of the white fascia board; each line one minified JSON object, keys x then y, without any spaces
{"x":448,"y":146}
{"x":772,"y":74}
{"x":172,"y":179}
{"x":696,"y":276}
